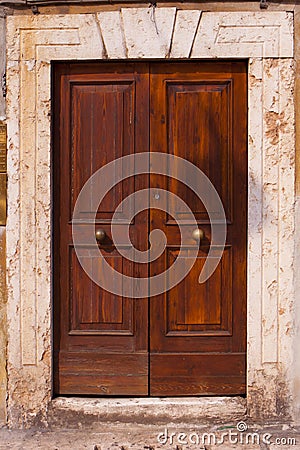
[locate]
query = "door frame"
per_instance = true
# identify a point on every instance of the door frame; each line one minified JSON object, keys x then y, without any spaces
{"x":266,"y":41}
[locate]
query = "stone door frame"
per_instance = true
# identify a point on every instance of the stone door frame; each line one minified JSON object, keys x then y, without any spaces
{"x":265,"y":39}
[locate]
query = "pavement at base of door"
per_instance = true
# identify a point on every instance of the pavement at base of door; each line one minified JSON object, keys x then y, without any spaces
{"x":119,"y":436}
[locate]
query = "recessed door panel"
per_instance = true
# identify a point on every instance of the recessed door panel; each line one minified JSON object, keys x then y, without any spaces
{"x":101,"y":113}
{"x":192,"y":108}
{"x":190,"y":339}
{"x":198,"y":112}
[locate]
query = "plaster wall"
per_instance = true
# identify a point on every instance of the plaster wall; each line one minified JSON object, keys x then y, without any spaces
{"x":296,"y":347}
{"x":3,"y":322}
{"x":266,"y":40}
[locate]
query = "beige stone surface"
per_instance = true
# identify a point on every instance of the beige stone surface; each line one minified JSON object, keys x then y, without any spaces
{"x":2,"y":61}
{"x":244,"y":34}
{"x":148,"y":31}
{"x":3,"y":333}
{"x":3,"y":324}
{"x":148,"y":410}
{"x":118,"y":436}
{"x":296,"y":325}
{"x":110,"y":23}
{"x":267,"y":39}
{"x":76,"y":37}
{"x":184,"y":33}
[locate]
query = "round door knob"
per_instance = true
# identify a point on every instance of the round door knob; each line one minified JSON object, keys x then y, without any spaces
{"x":198,"y":234}
{"x":100,"y":235}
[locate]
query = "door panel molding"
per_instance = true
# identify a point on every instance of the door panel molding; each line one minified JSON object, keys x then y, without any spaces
{"x":97,"y":124}
{"x":190,"y":120}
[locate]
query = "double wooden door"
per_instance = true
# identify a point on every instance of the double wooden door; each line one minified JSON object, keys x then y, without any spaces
{"x":191,"y":339}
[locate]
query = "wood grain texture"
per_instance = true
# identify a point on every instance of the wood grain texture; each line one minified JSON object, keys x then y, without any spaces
{"x":198,"y":111}
{"x":190,"y":340}
{"x":101,"y":113}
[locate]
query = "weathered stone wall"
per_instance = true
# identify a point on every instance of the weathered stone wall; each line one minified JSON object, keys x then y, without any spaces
{"x":3,"y":326}
{"x":3,"y":322}
{"x":266,"y":38}
{"x":296,"y":325}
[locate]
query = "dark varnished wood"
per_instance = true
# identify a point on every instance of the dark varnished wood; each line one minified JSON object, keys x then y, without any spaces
{"x":198,"y":332}
{"x":205,"y":373}
{"x":103,"y":373}
{"x":101,"y":113}
{"x":190,"y":340}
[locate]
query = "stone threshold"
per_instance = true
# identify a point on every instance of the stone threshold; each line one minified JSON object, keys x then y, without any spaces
{"x":190,"y":410}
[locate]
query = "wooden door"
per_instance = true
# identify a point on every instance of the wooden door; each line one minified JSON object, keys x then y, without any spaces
{"x":198,"y":331}
{"x":190,"y":340}
{"x":101,"y":113}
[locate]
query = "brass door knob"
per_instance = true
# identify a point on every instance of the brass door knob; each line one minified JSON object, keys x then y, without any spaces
{"x":100,"y":235}
{"x":198,"y":234}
